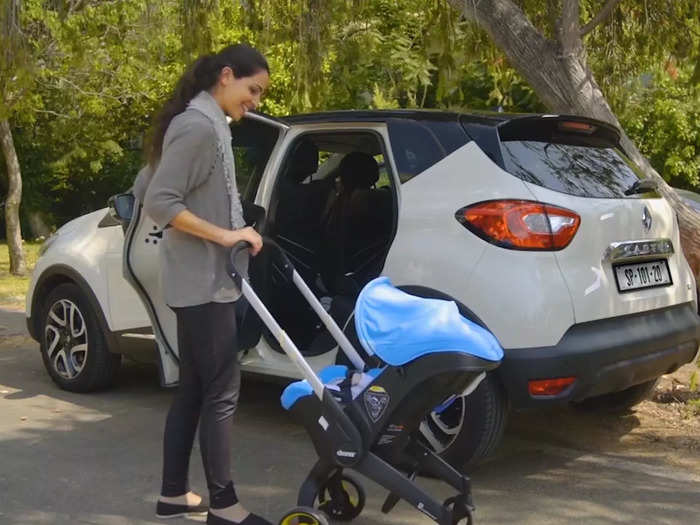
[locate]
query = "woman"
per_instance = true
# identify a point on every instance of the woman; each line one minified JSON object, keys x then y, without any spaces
{"x":189,"y":184}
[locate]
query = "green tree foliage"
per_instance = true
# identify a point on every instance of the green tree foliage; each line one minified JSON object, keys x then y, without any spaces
{"x":646,"y":58}
{"x":108,"y":66}
{"x":101,"y":68}
{"x":400,"y":53}
{"x":662,"y":113}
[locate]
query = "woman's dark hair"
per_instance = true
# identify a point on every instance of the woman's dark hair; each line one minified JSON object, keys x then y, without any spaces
{"x":243,"y":59}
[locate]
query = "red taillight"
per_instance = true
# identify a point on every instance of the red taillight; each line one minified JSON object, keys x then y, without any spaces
{"x":549,"y":387}
{"x":521,"y":225}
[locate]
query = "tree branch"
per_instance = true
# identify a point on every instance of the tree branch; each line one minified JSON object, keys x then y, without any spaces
{"x":568,"y":28}
{"x":600,"y":17}
{"x":505,"y":22}
{"x":84,"y":92}
{"x":560,"y":78}
{"x":54,"y":113}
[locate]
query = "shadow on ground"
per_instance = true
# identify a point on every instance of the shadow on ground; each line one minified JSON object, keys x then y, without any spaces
{"x":95,"y":458}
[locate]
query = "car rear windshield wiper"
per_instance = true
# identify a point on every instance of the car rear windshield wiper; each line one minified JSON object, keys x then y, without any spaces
{"x":642,"y":186}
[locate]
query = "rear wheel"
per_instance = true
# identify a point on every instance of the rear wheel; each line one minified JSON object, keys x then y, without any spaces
{"x":622,"y":401}
{"x":73,"y":346}
{"x":470,"y":428}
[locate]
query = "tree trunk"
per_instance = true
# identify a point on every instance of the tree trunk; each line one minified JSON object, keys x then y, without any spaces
{"x":688,"y":219}
{"x":38,"y":227}
{"x":558,"y":72}
{"x":13,"y":229}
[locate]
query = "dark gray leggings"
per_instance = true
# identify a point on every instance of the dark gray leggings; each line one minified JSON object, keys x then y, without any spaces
{"x":208,"y":394}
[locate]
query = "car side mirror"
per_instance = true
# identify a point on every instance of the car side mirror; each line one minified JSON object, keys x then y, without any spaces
{"x":121,"y":207}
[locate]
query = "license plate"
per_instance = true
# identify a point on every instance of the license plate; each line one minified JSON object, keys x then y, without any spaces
{"x":642,"y":275}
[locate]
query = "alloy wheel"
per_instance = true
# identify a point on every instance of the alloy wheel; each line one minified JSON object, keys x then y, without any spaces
{"x":66,"y":339}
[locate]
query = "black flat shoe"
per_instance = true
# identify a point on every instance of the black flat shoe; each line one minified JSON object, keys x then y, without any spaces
{"x":172,"y":510}
{"x":251,"y":519}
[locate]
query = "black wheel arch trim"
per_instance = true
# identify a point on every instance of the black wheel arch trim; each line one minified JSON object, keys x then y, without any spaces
{"x":68,"y":274}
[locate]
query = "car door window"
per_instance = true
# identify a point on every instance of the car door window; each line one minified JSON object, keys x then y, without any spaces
{"x":418,"y":145}
{"x":252,"y":142}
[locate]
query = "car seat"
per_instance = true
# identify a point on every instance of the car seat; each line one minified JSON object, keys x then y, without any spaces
{"x":299,"y":205}
{"x":356,"y":226}
{"x":297,"y":230}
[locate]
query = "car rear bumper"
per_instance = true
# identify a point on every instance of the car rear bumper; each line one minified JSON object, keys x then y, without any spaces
{"x":605,"y":356}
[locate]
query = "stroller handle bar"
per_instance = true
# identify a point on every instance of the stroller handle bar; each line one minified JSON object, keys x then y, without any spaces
{"x":282,"y":337}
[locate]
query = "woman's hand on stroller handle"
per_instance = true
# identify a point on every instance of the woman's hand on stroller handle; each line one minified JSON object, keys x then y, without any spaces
{"x":231,"y":238}
{"x":245,"y":243}
{"x":250,"y":239}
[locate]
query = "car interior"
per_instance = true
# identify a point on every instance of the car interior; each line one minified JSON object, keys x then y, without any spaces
{"x":333,"y":211}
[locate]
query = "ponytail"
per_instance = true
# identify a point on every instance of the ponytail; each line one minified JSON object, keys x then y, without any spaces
{"x":202,"y":75}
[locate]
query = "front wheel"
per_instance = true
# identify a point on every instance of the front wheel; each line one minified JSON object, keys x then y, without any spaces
{"x":73,"y":347}
{"x":341,"y":497}
{"x":469,"y":429}
{"x":304,"y":516}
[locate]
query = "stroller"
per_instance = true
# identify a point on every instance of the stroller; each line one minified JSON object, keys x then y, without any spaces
{"x":422,"y":354}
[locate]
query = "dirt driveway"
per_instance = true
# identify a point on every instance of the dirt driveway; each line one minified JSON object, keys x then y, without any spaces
{"x":95,"y":459}
{"x":665,"y":429}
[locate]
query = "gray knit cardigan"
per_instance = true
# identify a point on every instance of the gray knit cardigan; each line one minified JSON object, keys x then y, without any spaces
{"x":190,"y":175}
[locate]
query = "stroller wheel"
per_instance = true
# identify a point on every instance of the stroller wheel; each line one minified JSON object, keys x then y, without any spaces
{"x":304,"y":516}
{"x":462,"y":511}
{"x":341,"y":497}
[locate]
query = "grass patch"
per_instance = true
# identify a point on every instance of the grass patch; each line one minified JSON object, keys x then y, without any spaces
{"x":13,"y":289}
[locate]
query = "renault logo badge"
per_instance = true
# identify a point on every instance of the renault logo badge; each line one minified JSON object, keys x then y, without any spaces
{"x":646,"y":219}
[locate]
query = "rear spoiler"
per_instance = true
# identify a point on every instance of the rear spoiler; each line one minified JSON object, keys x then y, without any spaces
{"x":561,"y":129}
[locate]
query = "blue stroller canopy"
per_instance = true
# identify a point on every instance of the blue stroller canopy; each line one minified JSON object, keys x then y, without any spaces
{"x":399,"y":327}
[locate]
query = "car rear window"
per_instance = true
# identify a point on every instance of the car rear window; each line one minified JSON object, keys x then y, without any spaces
{"x":419,"y":144}
{"x":584,"y":171}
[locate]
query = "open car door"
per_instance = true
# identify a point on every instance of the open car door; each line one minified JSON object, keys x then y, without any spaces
{"x":253,"y":139}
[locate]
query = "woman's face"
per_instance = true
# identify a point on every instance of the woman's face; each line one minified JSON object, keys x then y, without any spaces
{"x":236,"y":96}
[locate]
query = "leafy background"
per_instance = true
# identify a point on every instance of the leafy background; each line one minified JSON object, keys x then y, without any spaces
{"x":81,"y":94}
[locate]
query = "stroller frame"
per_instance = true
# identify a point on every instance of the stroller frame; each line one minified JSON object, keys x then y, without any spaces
{"x":337,"y":438}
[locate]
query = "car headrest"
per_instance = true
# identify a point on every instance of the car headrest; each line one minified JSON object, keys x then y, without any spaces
{"x":304,"y":161}
{"x":358,"y":170}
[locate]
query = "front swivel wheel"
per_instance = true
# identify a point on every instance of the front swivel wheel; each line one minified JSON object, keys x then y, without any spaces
{"x":462,"y":509}
{"x":304,"y":516}
{"x":341,"y":497}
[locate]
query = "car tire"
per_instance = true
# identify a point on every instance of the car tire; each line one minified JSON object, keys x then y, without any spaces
{"x":73,"y":346}
{"x":619,"y":402}
{"x":471,"y":429}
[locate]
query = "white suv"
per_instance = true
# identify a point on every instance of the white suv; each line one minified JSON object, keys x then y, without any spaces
{"x":538,"y":226}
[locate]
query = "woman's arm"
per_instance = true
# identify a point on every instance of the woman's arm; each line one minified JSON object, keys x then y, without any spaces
{"x":187,"y":162}
{"x":188,"y":222}
{"x":189,"y":154}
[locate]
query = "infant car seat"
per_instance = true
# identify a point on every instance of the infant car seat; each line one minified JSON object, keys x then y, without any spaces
{"x":425,"y":352}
